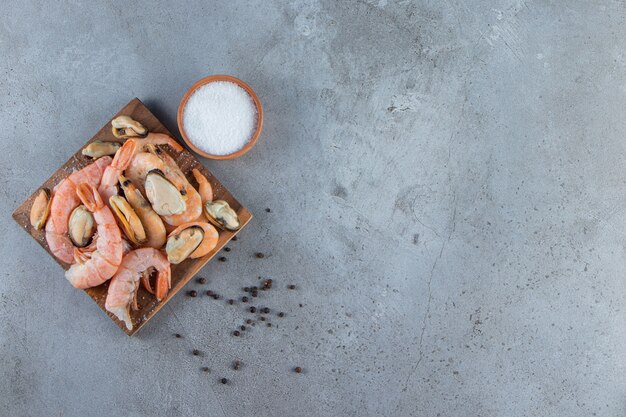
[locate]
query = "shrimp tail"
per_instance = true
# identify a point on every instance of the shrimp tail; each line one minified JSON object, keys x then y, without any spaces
{"x":163,"y":283}
{"x":124,"y":155}
{"x":89,"y":196}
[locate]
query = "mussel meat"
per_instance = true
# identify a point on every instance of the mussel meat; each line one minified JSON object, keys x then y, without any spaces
{"x":180,"y":245}
{"x":41,"y":209}
{"x":164,"y":197}
{"x":99,"y":148}
{"x":222,"y":215}
{"x":128,"y":219}
{"x":125,"y":127}
{"x":81,"y":226}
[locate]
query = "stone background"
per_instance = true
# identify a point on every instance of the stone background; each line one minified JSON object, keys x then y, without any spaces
{"x":447,"y":185}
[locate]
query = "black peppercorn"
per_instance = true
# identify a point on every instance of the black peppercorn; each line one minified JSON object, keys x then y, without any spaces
{"x":234,"y":237}
{"x":254,"y":293}
{"x":216,"y":296}
{"x":177,"y":335}
{"x":244,"y":299}
{"x":246,"y":289}
{"x":201,"y":280}
{"x":236,"y":365}
{"x":209,"y":293}
{"x":281,"y":314}
{"x":224,"y":381}
{"x":231,"y":301}
{"x":205,"y":369}
{"x":243,"y":328}
{"x":259,"y":255}
{"x":249,"y":321}
{"x":268,"y":210}
{"x":195,"y":352}
{"x":222,"y":259}
{"x":265,"y":310}
{"x":292,"y":287}
{"x":297,"y":370}
{"x":269,"y":324}
{"x":252,"y":309}
{"x":192,"y":293}
{"x":236,"y":333}
{"x":226,"y":249}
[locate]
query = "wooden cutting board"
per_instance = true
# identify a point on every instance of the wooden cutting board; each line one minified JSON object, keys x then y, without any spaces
{"x":181,"y":273}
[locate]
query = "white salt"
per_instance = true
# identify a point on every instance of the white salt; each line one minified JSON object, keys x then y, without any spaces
{"x":220,"y":118}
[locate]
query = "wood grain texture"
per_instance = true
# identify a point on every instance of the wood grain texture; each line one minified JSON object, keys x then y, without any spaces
{"x":181,"y":273}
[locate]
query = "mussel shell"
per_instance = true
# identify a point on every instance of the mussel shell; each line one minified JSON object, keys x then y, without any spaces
{"x":40,"y":209}
{"x":164,"y":197}
{"x":99,"y":148}
{"x":222,"y":215}
{"x":181,"y":245}
{"x":81,"y":226}
{"x":128,"y":220}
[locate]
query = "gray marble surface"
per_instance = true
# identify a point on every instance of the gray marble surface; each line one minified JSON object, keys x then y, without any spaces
{"x":447,"y":187}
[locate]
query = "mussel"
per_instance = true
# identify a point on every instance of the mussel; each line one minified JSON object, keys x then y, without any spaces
{"x":164,"y":197}
{"x":41,"y":209}
{"x":125,"y":127}
{"x":222,"y":215}
{"x":128,"y":219}
{"x":99,"y":148}
{"x":81,"y":226}
{"x":180,"y":245}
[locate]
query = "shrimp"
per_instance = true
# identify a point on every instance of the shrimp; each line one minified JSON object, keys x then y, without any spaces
{"x":64,"y":200}
{"x":146,"y":159}
{"x":152,"y":223}
{"x":136,"y":266}
{"x":192,"y":198}
{"x":209,"y":242}
{"x":204,"y":186}
{"x":144,"y":162}
{"x":121,"y":160}
{"x":95,"y":267}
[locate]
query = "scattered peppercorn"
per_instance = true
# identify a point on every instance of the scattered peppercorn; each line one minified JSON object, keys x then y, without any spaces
{"x":259,"y":255}
{"x":268,"y":210}
{"x":201,"y":280}
{"x":205,"y":369}
{"x":267,"y":284}
{"x":216,"y":296}
{"x":177,"y":335}
{"x":236,"y":333}
{"x":262,"y":318}
{"x":281,"y":314}
{"x":254,"y":293}
{"x":195,"y":352}
{"x":222,"y":259}
{"x":252,"y":309}
{"x":226,"y":249}
{"x":297,"y":370}
{"x":243,"y":328}
{"x":301,"y":305}
{"x":292,"y":287}
{"x":231,"y":301}
{"x":246,"y":289}
{"x":269,"y":324}
{"x":244,"y":299}
{"x":255,"y":288}
{"x":236,"y":365}
{"x":209,"y":293}
{"x":193,"y":293}
{"x":265,"y":310}
{"x":249,"y":321}
{"x":234,"y":237}
{"x":224,"y":381}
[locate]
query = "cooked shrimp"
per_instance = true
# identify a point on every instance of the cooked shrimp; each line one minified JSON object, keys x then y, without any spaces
{"x":121,"y":160}
{"x":191,"y":197}
{"x":152,"y":223}
{"x":204,"y":186}
{"x":95,"y":267}
{"x":64,"y":200}
{"x":144,"y":162}
{"x":209,"y":242}
{"x":136,"y":266}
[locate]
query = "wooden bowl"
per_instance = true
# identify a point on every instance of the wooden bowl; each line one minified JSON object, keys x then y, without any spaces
{"x":250,"y":91}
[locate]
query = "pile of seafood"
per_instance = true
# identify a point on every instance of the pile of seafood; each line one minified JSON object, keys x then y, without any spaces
{"x":129,"y":215}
